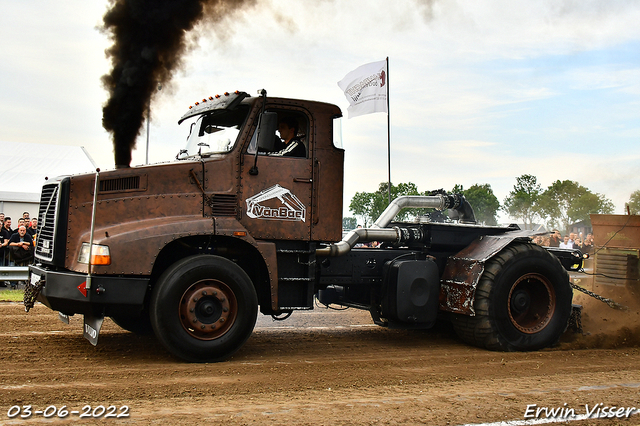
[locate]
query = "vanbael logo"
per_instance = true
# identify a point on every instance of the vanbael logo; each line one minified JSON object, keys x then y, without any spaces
{"x":290,"y":207}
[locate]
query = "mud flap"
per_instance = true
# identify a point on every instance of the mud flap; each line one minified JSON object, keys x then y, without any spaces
{"x":92,"y":326}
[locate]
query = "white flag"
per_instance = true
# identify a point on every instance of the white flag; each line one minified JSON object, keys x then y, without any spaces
{"x":366,"y":89}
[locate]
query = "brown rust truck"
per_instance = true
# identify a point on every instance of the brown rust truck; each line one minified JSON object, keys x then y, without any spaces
{"x":190,"y":250}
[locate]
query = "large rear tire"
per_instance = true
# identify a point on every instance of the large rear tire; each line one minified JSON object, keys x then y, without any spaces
{"x":522,"y":301}
{"x":203,"y":308}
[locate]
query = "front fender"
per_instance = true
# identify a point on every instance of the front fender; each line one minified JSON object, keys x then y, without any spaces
{"x":134,"y":246}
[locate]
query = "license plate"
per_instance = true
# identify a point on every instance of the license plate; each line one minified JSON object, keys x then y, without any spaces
{"x":35,"y":278}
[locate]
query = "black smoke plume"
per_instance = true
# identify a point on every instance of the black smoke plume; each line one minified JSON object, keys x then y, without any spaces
{"x":149,"y":39}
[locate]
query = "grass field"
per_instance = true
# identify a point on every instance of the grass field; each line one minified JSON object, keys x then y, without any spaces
{"x":11,"y":295}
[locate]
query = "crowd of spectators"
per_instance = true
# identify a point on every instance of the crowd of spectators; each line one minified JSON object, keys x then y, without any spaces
{"x":569,"y":241}
{"x":17,"y":244}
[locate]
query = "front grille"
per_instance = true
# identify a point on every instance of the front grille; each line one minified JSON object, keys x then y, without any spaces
{"x":224,"y":205}
{"x":47,"y":218}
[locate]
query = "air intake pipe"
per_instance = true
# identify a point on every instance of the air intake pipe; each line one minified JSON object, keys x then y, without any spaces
{"x":462,"y":211}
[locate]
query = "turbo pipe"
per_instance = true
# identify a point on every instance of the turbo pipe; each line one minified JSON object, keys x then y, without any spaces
{"x":379,"y":230}
{"x":439,"y":202}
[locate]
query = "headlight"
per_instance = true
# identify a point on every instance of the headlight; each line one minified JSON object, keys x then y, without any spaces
{"x":99,"y":254}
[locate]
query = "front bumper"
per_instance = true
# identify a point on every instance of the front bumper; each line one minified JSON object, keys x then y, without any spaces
{"x":66,"y":292}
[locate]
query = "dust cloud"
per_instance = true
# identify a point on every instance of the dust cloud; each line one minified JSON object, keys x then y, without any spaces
{"x":605,"y":327}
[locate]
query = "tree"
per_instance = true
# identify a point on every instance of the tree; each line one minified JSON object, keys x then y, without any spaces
{"x":587,"y":204}
{"x":634,"y":202}
{"x":523,"y":202}
{"x":362,"y":205}
{"x":349,"y":223}
{"x":457,"y":189}
{"x":566,"y":202}
{"x":484,"y":202}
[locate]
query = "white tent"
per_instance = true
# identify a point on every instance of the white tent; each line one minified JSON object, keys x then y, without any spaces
{"x":24,"y":167}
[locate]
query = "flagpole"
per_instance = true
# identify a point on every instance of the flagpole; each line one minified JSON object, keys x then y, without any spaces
{"x":388,"y":136}
{"x":361,"y":81}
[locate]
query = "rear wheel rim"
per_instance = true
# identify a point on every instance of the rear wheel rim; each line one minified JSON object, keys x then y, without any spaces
{"x":208,"y":308}
{"x":531,"y":303}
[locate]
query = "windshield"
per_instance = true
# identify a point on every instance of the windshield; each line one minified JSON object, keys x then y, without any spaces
{"x":214,"y":133}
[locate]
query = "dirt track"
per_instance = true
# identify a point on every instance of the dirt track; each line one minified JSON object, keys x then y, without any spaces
{"x":318,"y":368}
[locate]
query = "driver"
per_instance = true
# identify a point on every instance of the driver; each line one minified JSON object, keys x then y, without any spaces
{"x":293,"y":146}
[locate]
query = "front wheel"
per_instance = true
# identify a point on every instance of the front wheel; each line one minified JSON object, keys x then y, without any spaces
{"x":522,"y":301}
{"x":203,"y":308}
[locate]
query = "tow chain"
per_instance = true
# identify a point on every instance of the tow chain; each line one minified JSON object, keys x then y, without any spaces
{"x":575,"y":320}
{"x":611,"y":303}
{"x":31,"y":292}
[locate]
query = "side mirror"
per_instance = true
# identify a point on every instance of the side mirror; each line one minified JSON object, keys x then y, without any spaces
{"x":267,"y":131}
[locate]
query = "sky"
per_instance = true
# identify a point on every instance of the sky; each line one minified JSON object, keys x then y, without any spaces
{"x":481,"y":91}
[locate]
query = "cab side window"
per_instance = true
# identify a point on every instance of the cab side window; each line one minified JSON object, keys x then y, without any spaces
{"x":290,"y":139}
